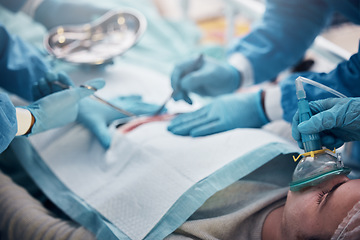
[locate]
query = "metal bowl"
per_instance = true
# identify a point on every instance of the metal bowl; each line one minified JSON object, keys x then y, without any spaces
{"x":97,"y":42}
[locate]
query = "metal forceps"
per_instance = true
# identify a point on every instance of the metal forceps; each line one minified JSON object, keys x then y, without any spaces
{"x":64,"y":86}
{"x":197,"y":64}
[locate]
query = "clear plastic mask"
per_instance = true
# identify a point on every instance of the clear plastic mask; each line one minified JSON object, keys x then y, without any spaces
{"x":316,"y":167}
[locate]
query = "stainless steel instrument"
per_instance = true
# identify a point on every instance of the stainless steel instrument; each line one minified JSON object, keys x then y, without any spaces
{"x":97,"y":42}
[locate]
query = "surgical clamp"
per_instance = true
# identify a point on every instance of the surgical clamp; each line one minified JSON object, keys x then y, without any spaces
{"x":64,"y":86}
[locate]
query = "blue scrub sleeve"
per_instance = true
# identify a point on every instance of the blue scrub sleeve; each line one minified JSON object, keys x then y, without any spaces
{"x":21,"y":65}
{"x":8,"y":123}
{"x":349,"y":8}
{"x":280,"y":39}
{"x":345,"y":78}
{"x":12,"y":5}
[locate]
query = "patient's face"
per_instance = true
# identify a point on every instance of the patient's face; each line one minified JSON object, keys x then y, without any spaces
{"x":317,"y":211}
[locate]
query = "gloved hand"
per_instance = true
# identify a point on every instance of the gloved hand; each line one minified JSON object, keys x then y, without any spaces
{"x":60,"y":108}
{"x":209,"y":78}
{"x":8,"y":123}
{"x":96,"y":116}
{"x":46,"y":86}
{"x":339,"y":118}
{"x":52,"y":13}
{"x":224,"y":113}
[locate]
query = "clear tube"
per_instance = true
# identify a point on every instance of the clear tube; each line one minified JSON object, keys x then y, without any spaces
{"x":300,"y":91}
{"x":322,"y":86}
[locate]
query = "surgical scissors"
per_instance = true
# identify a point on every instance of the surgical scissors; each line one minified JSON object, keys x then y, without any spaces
{"x":197,"y":64}
{"x":65,"y":86}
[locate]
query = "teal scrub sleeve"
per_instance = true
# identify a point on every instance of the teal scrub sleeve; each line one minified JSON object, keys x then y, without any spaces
{"x":8,"y":123}
{"x":21,"y":65}
{"x":280,"y":39}
{"x":345,"y":78}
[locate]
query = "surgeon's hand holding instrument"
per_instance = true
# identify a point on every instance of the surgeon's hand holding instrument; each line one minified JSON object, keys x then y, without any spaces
{"x":97,"y":117}
{"x":97,"y":114}
{"x":339,"y":116}
{"x":57,"y":109}
{"x":317,"y":164}
{"x":117,"y":108}
{"x":211,"y":78}
{"x":177,"y":89}
{"x":50,"y":83}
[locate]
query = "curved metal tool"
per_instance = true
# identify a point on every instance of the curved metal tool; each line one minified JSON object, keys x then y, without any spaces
{"x":197,"y":64}
{"x":64,"y":86}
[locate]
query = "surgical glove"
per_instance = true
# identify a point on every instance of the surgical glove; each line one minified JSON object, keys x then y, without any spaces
{"x":8,"y":123}
{"x":60,"y":108}
{"x":339,"y":118}
{"x":52,"y":13}
{"x":224,"y":113}
{"x":210,"y":78}
{"x":46,"y":86}
{"x":96,"y":116}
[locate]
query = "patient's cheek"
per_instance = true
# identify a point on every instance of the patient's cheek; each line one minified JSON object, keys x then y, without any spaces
{"x":128,"y":127}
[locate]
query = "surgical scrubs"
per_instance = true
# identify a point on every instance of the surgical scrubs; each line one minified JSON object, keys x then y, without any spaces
{"x":21,"y":65}
{"x":280,"y":40}
{"x":286,"y":31}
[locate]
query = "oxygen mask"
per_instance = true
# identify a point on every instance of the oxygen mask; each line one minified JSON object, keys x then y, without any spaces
{"x":316,"y":167}
{"x":316,"y":164}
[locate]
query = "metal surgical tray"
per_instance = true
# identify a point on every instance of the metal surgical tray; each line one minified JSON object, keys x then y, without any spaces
{"x":99,"y":41}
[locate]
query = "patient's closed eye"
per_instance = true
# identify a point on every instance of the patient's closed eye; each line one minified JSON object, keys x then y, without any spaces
{"x":321,"y":196}
{"x":325,"y":194}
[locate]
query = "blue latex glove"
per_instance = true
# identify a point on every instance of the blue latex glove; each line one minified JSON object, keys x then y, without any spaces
{"x":209,"y":78}
{"x":96,"y":116}
{"x":52,"y":13}
{"x":224,"y":113}
{"x":60,"y":108}
{"x":338,"y":117}
{"x":8,"y":123}
{"x":45,"y":86}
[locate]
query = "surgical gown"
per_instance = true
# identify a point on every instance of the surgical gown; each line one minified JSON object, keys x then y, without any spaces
{"x":280,"y":40}
{"x":287,"y":30}
{"x":20,"y":66}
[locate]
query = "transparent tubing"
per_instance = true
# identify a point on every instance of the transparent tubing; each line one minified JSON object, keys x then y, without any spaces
{"x":322,"y":164}
{"x":322,"y":86}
